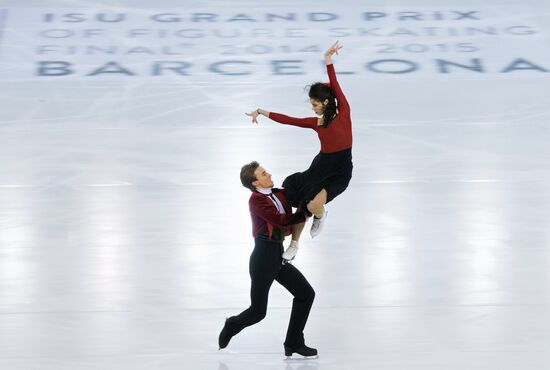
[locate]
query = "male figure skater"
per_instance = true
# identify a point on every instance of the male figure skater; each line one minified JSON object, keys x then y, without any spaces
{"x":272,"y":220}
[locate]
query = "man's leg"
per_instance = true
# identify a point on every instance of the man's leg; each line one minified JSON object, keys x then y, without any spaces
{"x":265,"y":263}
{"x":303,"y":293}
{"x":259,"y":292}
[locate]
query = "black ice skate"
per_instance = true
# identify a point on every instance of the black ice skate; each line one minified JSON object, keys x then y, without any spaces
{"x":225,"y":335}
{"x":304,"y":350}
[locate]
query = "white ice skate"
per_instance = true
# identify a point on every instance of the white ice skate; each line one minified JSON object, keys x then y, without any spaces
{"x":290,"y":253}
{"x":317,"y":225}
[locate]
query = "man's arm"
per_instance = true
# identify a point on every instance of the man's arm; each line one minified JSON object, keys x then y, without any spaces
{"x":263,"y":208}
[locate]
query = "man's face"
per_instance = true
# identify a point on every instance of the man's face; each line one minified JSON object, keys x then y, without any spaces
{"x":263,"y":178}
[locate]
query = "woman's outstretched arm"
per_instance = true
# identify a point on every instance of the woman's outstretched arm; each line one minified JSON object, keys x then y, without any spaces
{"x":308,"y":122}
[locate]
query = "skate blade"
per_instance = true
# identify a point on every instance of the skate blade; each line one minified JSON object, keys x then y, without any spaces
{"x":301,"y":358}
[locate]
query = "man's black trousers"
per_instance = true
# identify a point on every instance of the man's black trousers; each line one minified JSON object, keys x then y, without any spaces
{"x":265,"y":267}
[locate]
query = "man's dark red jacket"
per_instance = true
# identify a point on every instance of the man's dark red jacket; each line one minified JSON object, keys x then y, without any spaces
{"x":265,"y":216}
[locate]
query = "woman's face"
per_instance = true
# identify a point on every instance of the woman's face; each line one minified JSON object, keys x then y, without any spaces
{"x":317,"y":106}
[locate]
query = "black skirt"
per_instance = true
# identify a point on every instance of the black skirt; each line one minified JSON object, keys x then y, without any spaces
{"x":329,"y":171}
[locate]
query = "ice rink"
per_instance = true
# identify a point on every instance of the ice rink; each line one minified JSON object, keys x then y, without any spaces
{"x":125,"y":232}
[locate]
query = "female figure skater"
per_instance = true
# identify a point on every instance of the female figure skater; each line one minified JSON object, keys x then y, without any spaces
{"x":330,"y":172}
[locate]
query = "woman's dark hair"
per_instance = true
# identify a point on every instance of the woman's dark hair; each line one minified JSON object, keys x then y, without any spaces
{"x":321,"y":92}
{"x":248,"y":176}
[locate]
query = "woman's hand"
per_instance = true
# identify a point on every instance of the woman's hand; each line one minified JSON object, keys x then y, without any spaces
{"x":334,"y":49}
{"x":254,"y":114}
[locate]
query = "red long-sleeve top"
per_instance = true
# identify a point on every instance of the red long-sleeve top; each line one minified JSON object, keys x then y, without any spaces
{"x":337,"y":136}
{"x":265,"y":215}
